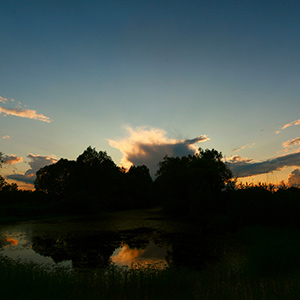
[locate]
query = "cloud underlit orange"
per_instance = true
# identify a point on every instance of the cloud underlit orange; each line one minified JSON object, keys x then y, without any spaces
{"x":147,"y":146}
{"x":24,"y":113}
{"x":296,"y":122}
{"x":11,"y":159}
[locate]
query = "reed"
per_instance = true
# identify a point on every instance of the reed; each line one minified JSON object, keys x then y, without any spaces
{"x":27,"y":280}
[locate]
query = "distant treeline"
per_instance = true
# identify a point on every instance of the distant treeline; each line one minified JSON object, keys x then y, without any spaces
{"x":199,"y":188}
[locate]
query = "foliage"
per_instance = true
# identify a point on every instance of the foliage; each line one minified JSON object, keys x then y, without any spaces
{"x":54,"y":179}
{"x":26,"y":280}
{"x":192,"y":184}
{"x":4,"y":185}
{"x":94,"y":182}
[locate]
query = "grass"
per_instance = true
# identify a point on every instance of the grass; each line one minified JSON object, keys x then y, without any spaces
{"x":26,"y":280}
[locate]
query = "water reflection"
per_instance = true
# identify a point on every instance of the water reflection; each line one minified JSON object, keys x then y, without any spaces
{"x":91,"y":252}
{"x":151,"y":256}
{"x":91,"y":247}
{"x":11,"y":241}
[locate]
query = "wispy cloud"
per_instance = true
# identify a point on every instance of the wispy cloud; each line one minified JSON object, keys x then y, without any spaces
{"x":11,"y":159}
{"x":296,"y":122}
{"x":24,"y":113}
{"x":247,"y":167}
{"x":294,"y":178}
{"x":21,"y":111}
{"x":291,"y":143}
{"x":6,"y":137}
{"x":3,"y":100}
{"x":243,"y":147}
{"x":147,"y":146}
{"x":36,"y":162}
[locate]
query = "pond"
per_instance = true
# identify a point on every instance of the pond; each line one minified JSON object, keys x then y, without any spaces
{"x":132,"y":238}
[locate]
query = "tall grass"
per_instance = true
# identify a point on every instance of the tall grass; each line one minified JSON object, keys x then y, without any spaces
{"x":26,"y":280}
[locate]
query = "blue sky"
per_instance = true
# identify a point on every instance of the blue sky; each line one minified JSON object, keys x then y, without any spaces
{"x":93,"y":72}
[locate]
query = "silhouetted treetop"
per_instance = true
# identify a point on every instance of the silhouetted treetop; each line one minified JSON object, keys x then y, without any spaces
{"x":193,"y":182}
{"x":204,"y":168}
{"x":90,"y":157}
{"x":55,"y":178}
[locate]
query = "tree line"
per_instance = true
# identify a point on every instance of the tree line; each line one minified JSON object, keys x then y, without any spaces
{"x":199,"y":188}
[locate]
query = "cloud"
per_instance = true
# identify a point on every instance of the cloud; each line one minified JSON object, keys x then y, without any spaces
{"x":296,"y":122}
{"x":247,"y":167}
{"x":291,"y":143}
{"x":6,"y":137}
{"x":3,"y":100}
{"x":243,"y":147}
{"x":37,"y":162}
{"x":11,"y":159}
{"x":294,"y":178}
{"x":148,"y":146}
{"x":24,"y":113}
{"x":236,"y":159}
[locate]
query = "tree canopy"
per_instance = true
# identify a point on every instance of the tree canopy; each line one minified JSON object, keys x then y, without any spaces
{"x":192,"y":182}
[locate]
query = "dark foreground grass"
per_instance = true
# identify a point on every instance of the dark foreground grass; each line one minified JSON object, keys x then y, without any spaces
{"x":25,"y":280}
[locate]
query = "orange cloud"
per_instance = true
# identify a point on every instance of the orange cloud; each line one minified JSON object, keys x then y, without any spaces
{"x":11,"y":159}
{"x":3,"y":100}
{"x":296,"y":122}
{"x":37,"y":162}
{"x":24,"y":113}
{"x":243,"y":147}
{"x":292,"y":142}
{"x":148,"y":146}
{"x":5,"y":137}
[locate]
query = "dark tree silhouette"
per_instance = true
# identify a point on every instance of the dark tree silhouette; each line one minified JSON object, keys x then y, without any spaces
{"x":4,"y":185}
{"x":192,"y":184}
{"x":138,"y":186}
{"x":55,"y":179}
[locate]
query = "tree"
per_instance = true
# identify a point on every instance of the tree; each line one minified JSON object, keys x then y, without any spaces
{"x":138,"y":186}
{"x":55,"y":179}
{"x":192,"y":183}
{"x":4,"y":185}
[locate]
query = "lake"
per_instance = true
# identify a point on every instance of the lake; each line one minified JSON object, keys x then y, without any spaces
{"x":128,"y":238}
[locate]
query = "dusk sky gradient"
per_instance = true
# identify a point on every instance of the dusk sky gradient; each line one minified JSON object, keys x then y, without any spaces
{"x":141,"y":79}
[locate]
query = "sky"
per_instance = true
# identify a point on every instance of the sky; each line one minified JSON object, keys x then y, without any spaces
{"x":145,"y":79}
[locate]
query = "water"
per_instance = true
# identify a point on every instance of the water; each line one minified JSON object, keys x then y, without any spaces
{"x":132,"y":239}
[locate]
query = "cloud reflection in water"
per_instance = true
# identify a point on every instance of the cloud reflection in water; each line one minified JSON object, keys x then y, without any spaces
{"x":151,"y":256}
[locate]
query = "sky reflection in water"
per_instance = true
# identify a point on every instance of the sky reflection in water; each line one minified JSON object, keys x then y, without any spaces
{"x":18,"y":245}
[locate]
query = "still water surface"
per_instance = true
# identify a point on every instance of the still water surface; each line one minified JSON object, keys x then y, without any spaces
{"x":132,"y":239}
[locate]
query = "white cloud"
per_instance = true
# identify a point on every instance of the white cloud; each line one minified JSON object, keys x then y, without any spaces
{"x":147,"y":146}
